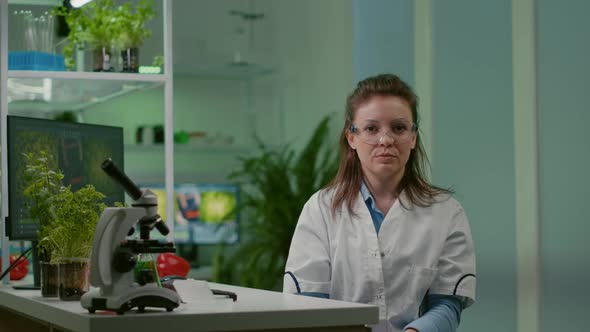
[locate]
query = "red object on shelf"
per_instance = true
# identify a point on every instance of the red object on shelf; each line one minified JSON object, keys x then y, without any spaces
{"x":19,"y":271}
{"x":172,"y":265}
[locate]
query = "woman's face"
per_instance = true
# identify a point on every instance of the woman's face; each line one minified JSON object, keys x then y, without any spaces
{"x":379,"y":125}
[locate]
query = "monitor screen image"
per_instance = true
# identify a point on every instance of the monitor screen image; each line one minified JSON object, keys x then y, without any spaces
{"x":76,"y":149}
{"x":204,"y":213}
{"x":181,"y":232}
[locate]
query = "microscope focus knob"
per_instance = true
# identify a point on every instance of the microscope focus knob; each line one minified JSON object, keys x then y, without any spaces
{"x":124,"y":260}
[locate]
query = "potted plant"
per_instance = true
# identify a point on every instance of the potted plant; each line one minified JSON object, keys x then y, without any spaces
{"x":133,"y":32}
{"x":93,"y":26}
{"x":41,"y":185}
{"x":101,"y":26}
{"x":278,"y":183}
{"x":67,"y":222}
{"x":70,"y":237}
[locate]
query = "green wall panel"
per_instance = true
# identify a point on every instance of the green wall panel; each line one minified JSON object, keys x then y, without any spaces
{"x":473,"y":144}
{"x":564,"y":153}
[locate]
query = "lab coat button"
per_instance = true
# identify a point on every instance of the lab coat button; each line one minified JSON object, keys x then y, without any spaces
{"x":382,"y":254}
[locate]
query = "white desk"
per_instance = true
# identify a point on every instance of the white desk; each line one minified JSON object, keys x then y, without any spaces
{"x":255,"y":310}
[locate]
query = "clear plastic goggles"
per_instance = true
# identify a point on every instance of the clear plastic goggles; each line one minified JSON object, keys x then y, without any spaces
{"x":375,"y":133}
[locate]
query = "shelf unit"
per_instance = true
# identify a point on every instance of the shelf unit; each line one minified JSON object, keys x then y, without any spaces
{"x":189,"y":147}
{"x":50,"y":83}
{"x":243,"y":71}
{"x":71,"y":91}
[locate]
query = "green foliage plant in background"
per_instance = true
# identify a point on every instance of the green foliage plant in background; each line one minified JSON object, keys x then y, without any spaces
{"x":276,"y":184}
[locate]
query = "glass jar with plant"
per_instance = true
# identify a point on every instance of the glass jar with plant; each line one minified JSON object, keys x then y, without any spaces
{"x":276,"y":183}
{"x":133,"y":32}
{"x":67,"y":222}
{"x":103,"y":27}
{"x":93,"y":26}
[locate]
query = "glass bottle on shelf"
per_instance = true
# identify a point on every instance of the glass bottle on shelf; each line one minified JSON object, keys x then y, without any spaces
{"x":103,"y":59}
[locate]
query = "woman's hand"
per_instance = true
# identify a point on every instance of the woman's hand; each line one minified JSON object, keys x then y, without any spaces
{"x":411,"y":330}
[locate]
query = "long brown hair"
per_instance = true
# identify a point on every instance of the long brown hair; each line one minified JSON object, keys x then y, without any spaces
{"x":347,"y":182}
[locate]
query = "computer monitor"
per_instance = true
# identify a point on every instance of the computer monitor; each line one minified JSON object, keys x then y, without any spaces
{"x":77,"y":150}
{"x":203,"y":213}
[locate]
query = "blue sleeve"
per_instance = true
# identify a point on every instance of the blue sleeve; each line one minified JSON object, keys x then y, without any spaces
{"x":443,"y":314}
{"x":315,"y":294}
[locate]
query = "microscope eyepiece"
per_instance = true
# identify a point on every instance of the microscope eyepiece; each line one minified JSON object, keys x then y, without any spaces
{"x":109,"y":167}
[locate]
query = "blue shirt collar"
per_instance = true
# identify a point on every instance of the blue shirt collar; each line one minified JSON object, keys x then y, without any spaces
{"x":365,"y":192}
{"x":376,"y":214}
{"x":367,"y":196}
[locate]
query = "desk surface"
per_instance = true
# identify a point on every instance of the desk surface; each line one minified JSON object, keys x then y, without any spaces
{"x":254,"y":310}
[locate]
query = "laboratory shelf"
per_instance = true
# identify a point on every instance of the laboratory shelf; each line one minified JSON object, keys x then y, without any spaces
{"x":190,"y":147}
{"x":82,"y":75}
{"x":36,"y":2}
{"x":225,"y":71}
{"x":27,"y":93}
{"x":55,"y":91}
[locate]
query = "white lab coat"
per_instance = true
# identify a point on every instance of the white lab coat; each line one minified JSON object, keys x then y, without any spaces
{"x":417,"y":250}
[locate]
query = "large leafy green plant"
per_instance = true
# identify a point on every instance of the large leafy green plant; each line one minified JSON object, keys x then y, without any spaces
{"x":133,"y":30}
{"x":276,"y":183}
{"x":71,"y":233}
{"x":41,"y":185}
{"x":67,"y":219}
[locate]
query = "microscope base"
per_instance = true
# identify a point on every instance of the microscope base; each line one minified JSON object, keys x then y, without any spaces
{"x":140,"y":297}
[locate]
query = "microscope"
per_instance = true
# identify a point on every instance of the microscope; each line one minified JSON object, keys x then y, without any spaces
{"x":121,"y":282}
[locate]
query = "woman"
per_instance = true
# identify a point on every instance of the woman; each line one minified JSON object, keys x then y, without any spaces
{"x":380,"y":233}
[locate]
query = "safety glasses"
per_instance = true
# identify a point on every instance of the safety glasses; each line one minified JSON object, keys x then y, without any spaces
{"x":375,"y":133}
